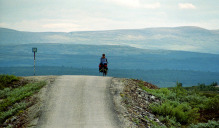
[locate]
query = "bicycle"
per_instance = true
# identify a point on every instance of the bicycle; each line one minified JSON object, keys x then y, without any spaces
{"x":104,"y":69}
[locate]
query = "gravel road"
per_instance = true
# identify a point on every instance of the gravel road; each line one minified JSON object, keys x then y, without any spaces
{"x":79,"y":102}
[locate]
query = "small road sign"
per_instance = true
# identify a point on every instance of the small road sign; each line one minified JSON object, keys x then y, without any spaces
{"x":34,"y":50}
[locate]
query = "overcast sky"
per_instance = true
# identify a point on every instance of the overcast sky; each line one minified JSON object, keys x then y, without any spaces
{"x":83,"y":15}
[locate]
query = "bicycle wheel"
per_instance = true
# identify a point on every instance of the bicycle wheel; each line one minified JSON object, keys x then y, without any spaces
{"x":103,"y":71}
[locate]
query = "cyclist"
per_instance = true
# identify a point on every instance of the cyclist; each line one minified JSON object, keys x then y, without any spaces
{"x":103,"y":61}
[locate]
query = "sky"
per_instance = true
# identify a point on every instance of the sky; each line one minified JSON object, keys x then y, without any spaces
{"x":93,"y":15}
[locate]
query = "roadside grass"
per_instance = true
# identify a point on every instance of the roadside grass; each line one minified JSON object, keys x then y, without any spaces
{"x":182,"y":107}
{"x":14,"y":100}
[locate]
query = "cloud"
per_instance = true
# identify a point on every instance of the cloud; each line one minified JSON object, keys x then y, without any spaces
{"x":135,"y":4}
{"x":186,"y":6}
{"x":4,"y":25}
{"x":52,"y":25}
{"x":152,"y":6}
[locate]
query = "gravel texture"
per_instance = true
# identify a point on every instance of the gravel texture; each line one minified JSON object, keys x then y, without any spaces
{"x":79,"y":102}
{"x":132,"y":103}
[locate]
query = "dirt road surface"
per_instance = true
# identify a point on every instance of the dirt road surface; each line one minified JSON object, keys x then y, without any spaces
{"x":79,"y":102}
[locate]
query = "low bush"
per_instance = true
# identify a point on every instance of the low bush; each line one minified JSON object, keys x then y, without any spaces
{"x":7,"y":79}
{"x":195,"y":100}
{"x":212,"y":104}
{"x":184,"y":105}
{"x":209,"y":124}
{"x":203,"y":87}
{"x":169,"y":121}
{"x":4,"y":92}
{"x":182,"y":112}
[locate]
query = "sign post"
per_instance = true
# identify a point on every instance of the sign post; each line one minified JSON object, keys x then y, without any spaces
{"x":34,"y":50}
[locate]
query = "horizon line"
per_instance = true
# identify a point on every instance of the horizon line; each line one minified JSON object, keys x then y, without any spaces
{"x":108,"y":29}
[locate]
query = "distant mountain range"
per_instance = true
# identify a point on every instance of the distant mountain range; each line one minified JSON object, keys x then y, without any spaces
{"x":192,"y":39}
{"x":161,"y":56}
{"x":120,"y":57}
{"x":160,"y":67}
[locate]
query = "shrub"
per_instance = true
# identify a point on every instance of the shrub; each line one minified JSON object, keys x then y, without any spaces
{"x":185,"y":106}
{"x":4,"y":92}
{"x":7,"y":79}
{"x":210,"y":124}
{"x":214,"y":84}
{"x":169,"y":122}
{"x":212,"y":104}
{"x":182,"y":112}
{"x":164,"y":91}
{"x":179,"y":90}
{"x":195,"y":100}
{"x":211,"y":87}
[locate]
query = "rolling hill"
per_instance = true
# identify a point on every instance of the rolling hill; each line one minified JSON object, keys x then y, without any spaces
{"x":120,"y":57}
{"x":192,"y":39}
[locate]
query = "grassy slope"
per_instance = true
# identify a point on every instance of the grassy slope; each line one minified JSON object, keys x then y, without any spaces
{"x":14,"y":99}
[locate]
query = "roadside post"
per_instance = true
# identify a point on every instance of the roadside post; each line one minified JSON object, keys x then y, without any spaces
{"x":34,"y":50}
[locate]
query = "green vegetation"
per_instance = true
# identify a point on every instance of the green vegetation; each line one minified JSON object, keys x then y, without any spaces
{"x":154,"y":124}
{"x":136,"y":120}
{"x":14,"y":100}
{"x":204,"y":88}
{"x":182,"y":107}
{"x":169,"y":122}
{"x":6,"y":80}
{"x":210,"y":124}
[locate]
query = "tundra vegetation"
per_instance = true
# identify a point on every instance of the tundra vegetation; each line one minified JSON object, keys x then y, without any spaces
{"x":193,"y":107}
{"x":15,"y":93}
